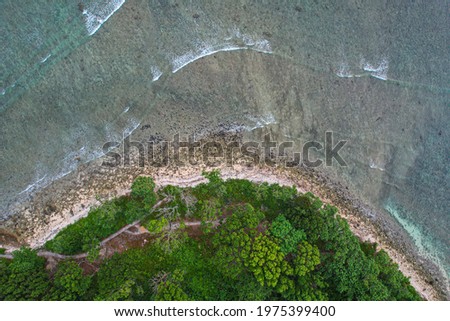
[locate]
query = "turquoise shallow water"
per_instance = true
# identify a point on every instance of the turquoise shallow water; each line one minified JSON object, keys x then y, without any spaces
{"x":74,"y":75}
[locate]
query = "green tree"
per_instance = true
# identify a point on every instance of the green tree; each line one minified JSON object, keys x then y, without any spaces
{"x":271,"y":244}
{"x":117,"y":279}
{"x":214,"y":188}
{"x":168,"y":287}
{"x":232,"y":251}
{"x":247,"y":288}
{"x":4,"y":277}
{"x":310,"y":287}
{"x":233,"y":240}
{"x":274,"y":199}
{"x":69,"y":283}
{"x":267,"y":262}
{"x":241,"y":190}
{"x":177,"y":206}
{"x":288,"y":237}
{"x":142,"y":189}
{"x":207,"y":210}
{"x":398,"y":285}
{"x":27,"y":277}
{"x":306,"y":259}
{"x":170,"y":291}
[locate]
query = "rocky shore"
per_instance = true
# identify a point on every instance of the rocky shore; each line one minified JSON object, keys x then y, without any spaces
{"x":67,"y":200}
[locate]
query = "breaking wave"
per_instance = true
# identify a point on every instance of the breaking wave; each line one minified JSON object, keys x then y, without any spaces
{"x":99,"y":12}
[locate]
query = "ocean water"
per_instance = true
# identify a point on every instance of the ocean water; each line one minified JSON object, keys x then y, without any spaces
{"x":77,"y":74}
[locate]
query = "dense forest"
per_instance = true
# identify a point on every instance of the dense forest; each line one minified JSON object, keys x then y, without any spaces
{"x":220,"y":240}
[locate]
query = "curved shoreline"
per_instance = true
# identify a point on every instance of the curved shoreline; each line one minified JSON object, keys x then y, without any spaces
{"x":74,"y":208}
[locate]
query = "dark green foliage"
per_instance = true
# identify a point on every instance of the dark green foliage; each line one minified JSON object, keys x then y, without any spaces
{"x":117,"y":280}
{"x":170,"y":291}
{"x":208,"y":210}
{"x":214,"y":188}
{"x":274,"y":199}
{"x":234,"y":238}
{"x":306,"y":259}
{"x":310,"y":287}
{"x":209,"y":197}
{"x":132,"y":210}
{"x":168,"y":287}
{"x":25,"y":277}
{"x":305,"y":212}
{"x":142,"y":190}
{"x":69,"y":283}
{"x":2,"y":251}
{"x":241,"y":191}
{"x":242,"y":248}
{"x":348,"y":267}
{"x":177,"y":201}
{"x":287,"y":236}
{"x":215,"y":183}
{"x":270,"y":244}
{"x":248,"y":288}
{"x":127,"y":276}
{"x":266,"y":261}
{"x":396,"y":283}
{"x":4,"y":277}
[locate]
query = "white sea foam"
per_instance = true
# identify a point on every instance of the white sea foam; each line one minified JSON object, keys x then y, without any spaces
{"x":156,"y":73}
{"x":71,"y":161}
{"x":262,"y":45}
{"x":185,"y":59}
{"x":253,"y":122}
{"x":68,"y":164}
{"x":373,"y":165}
{"x":61,"y":175}
{"x":131,"y":127}
{"x":261,"y":121}
{"x":33,"y":185}
{"x":95,"y":154}
{"x":379,"y":71}
{"x":344,"y":71}
{"x":237,"y":41}
{"x":99,"y":12}
{"x":45,"y":58}
{"x":2,"y":91}
{"x":251,"y":42}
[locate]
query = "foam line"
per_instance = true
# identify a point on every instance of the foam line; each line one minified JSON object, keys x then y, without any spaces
{"x":99,"y":12}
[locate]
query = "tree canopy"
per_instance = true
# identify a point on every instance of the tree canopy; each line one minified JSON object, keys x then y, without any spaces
{"x":252,"y":242}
